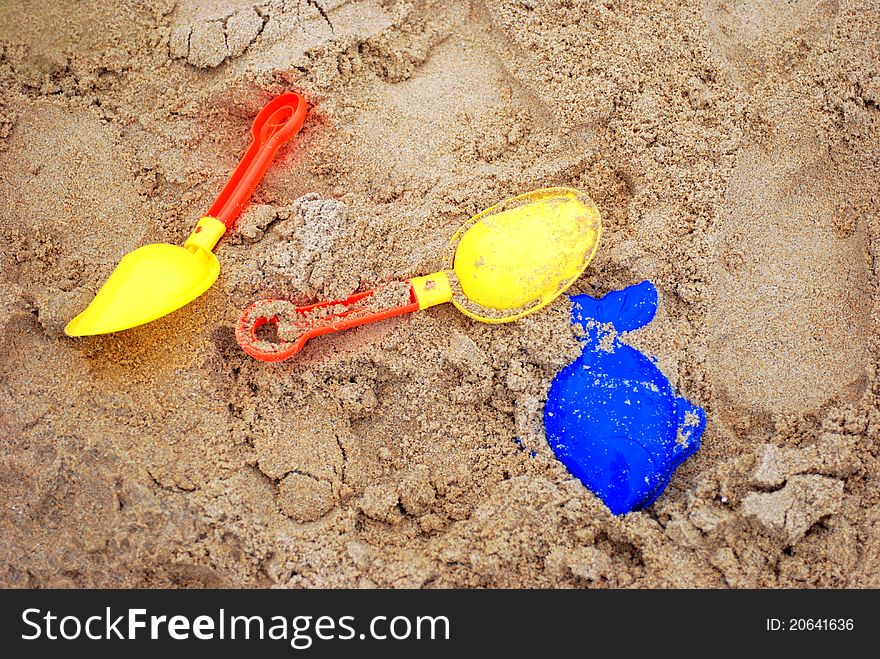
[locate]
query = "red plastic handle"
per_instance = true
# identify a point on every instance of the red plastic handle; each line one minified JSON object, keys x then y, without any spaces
{"x":277,"y":122}
{"x":307,"y":322}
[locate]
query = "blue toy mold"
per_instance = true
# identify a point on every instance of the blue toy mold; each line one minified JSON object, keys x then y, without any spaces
{"x":612,"y":418}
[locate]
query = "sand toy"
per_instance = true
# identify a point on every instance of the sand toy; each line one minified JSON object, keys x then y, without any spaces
{"x":155,"y":280}
{"x":505,"y":262}
{"x":611,"y":416}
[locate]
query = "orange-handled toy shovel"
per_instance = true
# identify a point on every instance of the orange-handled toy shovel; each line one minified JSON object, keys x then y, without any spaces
{"x":155,"y":280}
{"x":506,"y":262}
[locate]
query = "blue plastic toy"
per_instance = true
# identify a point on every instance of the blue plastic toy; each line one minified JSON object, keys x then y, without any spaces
{"x":612,"y":418}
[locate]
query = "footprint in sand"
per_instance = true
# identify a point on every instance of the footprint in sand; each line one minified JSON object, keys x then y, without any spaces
{"x":790,"y":325}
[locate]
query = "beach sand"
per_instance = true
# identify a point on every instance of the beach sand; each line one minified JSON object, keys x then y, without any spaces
{"x":732,"y":147}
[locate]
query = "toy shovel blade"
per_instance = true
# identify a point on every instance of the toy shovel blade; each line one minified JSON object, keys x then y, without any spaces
{"x":157,"y":279}
{"x":148,"y":283}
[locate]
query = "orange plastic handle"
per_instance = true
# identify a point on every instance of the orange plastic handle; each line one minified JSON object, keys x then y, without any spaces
{"x":357,"y":311}
{"x":277,"y":122}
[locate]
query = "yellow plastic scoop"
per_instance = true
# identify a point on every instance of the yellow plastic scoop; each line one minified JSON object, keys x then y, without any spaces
{"x":508,"y":261}
{"x":155,"y":280}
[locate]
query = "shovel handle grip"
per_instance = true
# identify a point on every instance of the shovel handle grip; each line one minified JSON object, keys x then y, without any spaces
{"x":278,"y":121}
{"x":300,"y":324}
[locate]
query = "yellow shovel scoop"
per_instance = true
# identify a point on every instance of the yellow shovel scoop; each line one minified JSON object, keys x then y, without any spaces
{"x":155,"y":280}
{"x":508,"y":261}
